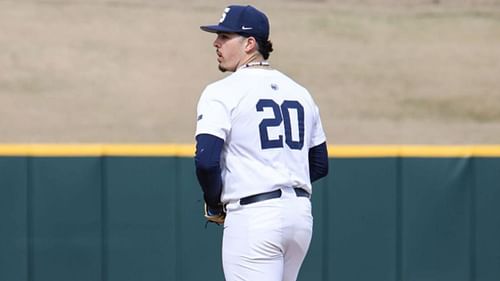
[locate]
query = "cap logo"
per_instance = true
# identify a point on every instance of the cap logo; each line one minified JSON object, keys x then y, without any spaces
{"x":246,"y":28}
{"x":223,"y":17}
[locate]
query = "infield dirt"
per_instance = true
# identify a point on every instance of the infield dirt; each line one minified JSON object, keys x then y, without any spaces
{"x":131,"y":71}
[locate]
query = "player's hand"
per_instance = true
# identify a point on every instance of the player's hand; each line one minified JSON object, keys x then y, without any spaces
{"x":215,"y":215}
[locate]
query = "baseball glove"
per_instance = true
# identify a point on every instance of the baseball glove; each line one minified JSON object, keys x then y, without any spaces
{"x":215,"y":215}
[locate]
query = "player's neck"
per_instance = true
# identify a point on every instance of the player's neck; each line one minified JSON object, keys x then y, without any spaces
{"x":256,"y":61}
{"x":260,"y":64}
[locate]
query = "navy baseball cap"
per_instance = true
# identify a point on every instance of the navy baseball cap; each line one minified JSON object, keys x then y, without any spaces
{"x":244,"y":20}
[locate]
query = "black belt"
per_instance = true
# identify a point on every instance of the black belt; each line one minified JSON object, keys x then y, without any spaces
{"x":271,"y":195}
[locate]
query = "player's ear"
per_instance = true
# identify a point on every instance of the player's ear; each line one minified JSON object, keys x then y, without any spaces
{"x":251,"y":44}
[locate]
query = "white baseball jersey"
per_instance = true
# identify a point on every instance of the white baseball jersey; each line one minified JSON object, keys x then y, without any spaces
{"x":268,"y":123}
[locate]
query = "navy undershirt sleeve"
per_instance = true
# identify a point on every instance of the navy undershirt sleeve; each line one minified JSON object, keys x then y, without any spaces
{"x":207,"y":164}
{"x":318,"y":162}
{"x":208,"y":172}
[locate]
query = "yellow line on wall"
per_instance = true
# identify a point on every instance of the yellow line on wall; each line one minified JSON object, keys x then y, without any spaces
{"x":187,"y":150}
{"x":355,"y":151}
{"x":61,"y":150}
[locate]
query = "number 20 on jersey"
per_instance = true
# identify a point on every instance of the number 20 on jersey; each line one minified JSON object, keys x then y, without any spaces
{"x":282,"y":117}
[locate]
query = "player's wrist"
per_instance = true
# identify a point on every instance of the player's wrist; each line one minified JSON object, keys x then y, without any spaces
{"x":217,"y":210}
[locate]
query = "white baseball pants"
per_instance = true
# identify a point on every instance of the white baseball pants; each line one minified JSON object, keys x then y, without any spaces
{"x":267,"y":240}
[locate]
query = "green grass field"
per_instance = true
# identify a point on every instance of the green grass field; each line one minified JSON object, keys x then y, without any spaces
{"x":127,"y":71}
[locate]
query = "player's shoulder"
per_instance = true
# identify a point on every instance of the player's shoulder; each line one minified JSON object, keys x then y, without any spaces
{"x":226,"y":84}
{"x":292,"y":83}
{"x":232,"y":80}
{"x":226,"y":90}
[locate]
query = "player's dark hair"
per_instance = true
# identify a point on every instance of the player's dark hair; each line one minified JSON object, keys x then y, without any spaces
{"x":265,"y":48}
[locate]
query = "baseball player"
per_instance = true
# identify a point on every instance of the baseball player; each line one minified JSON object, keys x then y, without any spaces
{"x":259,"y":145}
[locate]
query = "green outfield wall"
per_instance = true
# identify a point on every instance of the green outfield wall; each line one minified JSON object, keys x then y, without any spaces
{"x":134,"y":213}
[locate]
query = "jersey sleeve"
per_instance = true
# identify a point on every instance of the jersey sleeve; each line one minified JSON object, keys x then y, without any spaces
{"x":318,"y":135}
{"x":213,"y":115}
